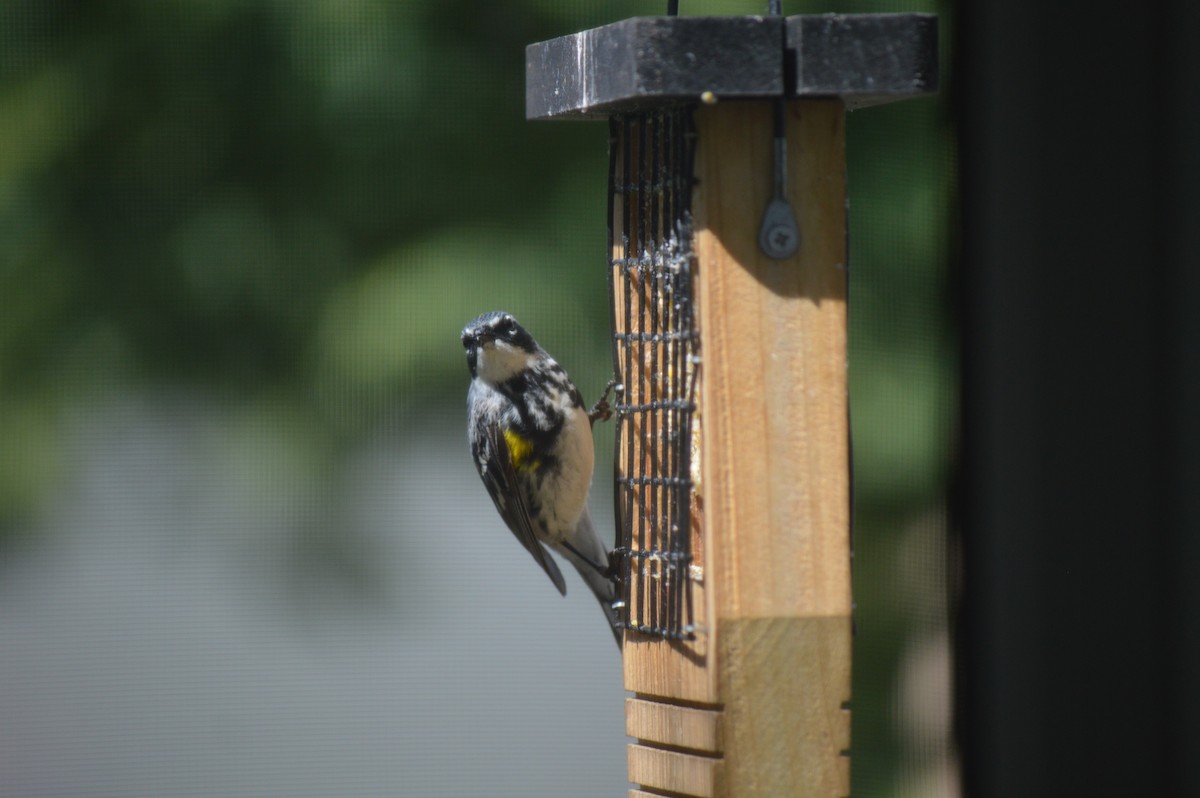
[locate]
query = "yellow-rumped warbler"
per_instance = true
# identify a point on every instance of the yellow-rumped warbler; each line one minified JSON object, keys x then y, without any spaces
{"x":531,"y":438}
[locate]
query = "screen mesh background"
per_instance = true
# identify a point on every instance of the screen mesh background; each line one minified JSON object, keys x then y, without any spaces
{"x":242,"y":548}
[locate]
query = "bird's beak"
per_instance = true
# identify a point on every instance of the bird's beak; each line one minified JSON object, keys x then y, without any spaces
{"x":475,"y":338}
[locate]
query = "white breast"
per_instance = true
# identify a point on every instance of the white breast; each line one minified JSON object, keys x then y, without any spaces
{"x":577,"y":460}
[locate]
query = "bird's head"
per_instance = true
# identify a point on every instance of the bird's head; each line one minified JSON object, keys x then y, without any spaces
{"x":498,"y":348}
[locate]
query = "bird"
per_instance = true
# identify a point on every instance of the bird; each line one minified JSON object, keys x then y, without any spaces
{"x":531,"y":442}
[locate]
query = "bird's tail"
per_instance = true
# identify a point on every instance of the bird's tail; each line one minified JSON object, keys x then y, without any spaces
{"x":590,"y":558}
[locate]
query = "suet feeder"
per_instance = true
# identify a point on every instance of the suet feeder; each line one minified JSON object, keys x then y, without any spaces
{"x":728,"y":271}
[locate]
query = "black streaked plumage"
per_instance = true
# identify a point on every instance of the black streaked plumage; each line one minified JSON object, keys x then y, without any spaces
{"x":530,"y":438}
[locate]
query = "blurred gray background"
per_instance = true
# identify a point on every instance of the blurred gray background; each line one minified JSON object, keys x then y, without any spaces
{"x":242,"y":548}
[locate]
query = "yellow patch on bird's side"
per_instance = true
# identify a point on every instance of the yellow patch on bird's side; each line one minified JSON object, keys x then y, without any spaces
{"x":519,"y":450}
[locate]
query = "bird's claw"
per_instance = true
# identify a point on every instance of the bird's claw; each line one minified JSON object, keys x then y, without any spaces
{"x":615,"y":558}
{"x":602,"y":410}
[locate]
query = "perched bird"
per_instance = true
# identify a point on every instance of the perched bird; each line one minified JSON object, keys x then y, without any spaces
{"x":531,"y":439}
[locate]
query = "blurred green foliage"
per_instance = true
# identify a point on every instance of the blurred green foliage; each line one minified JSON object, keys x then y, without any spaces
{"x":292,"y":206}
{"x":247,"y":197}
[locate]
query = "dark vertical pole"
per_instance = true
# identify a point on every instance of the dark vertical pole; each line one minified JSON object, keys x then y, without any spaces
{"x":1180,"y":211}
{"x":1079,"y":645}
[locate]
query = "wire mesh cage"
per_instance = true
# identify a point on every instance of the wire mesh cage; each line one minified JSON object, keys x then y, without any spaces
{"x":656,"y":362}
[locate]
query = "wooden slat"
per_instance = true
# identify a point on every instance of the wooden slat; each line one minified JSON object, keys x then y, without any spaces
{"x":674,"y":772}
{"x":773,"y":333}
{"x":776,"y":449}
{"x":786,"y":732}
{"x":673,"y":725}
{"x":675,"y":669}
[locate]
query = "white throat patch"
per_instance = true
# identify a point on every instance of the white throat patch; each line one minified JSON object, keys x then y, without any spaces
{"x":498,"y":361}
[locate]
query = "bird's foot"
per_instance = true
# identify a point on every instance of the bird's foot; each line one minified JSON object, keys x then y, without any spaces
{"x":602,"y":410}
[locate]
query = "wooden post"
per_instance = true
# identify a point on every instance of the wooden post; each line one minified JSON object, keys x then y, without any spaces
{"x":765,"y":712}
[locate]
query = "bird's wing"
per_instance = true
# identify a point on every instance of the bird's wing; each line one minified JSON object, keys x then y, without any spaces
{"x":500,"y":477}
